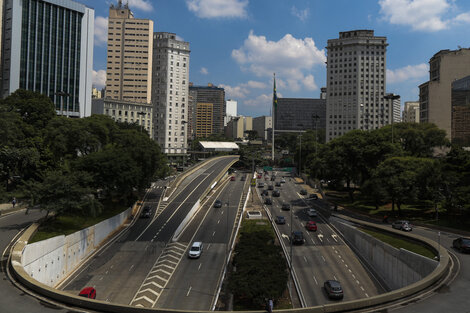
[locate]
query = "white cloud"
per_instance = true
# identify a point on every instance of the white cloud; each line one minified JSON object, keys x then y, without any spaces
{"x":290,"y":58}
{"x":204,"y":71}
{"x":261,"y":101}
{"x":300,"y":14}
{"x":99,"y":79}
{"x":140,"y":5}
{"x":309,"y":82}
{"x":101,"y":30}
{"x":235,"y":92}
{"x":218,"y":8}
{"x":255,"y":84}
{"x":409,"y":72}
{"x":422,"y":15}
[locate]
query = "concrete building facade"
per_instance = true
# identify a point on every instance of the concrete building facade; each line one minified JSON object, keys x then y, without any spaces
{"x":214,"y":95}
{"x":435,"y":104}
{"x":47,"y":47}
{"x":238,"y":126}
{"x":129,"y":61}
{"x":356,"y":81}
{"x":170,"y":93}
{"x":460,"y":133}
{"x":300,"y":114}
{"x":230,"y":110}
{"x":411,"y":112}
{"x":204,"y":122}
{"x":261,"y":125}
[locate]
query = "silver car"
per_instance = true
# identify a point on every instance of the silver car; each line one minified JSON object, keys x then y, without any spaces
{"x":402,"y":225}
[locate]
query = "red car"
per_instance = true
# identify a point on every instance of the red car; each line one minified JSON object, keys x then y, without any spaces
{"x":88,"y":292}
{"x":259,"y":176}
{"x":311,"y":225}
{"x":232,"y":178}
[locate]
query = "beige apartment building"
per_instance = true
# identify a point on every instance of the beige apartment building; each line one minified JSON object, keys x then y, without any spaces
{"x":238,"y":126}
{"x":204,"y":112}
{"x":411,"y":112}
{"x":129,"y":62}
{"x":435,"y":103}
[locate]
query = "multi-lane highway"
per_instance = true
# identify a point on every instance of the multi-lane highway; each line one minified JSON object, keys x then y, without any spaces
{"x":136,"y":268}
{"x":323,"y":256}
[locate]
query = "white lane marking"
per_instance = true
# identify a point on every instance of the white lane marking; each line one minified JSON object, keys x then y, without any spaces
{"x":131,"y":267}
{"x":305,"y":258}
{"x":321,"y":231}
{"x":106,"y":272}
{"x":218,"y":221}
{"x":346,"y":265}
{"x":342,"y":260}
{"x":353,"y":276}
{"x":312,"y":240}
{"x":357,"y":282}
{"x":315,"y":279}
{"x":336,"y":251}
{"x":221,"y":212}
{"x":213,"y":233}
{"x":327,"y":239}
{"x":320,"y":237}
{"x":101,"y":278}
{"x":335,"y":277}
{"x":200,"y":264}
{"x":349,"y":270}
{"x":285,"y":236}
{"x":362,"y":288}
{"x":367,"y":295}
{"x":323,"y":258}
{"x":334,"y":237}
{"x":208,"y":246}
{"x":189,"y":291}
{"x":112,"y":266}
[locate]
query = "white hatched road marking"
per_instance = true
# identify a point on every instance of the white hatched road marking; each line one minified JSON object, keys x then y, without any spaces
{"x":172,"y":254}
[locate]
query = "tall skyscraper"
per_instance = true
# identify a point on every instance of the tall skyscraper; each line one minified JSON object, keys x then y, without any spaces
{"x":214,"y":95}
{"x":170,"y":92}
{"x":411,"y":112}
{"x":204,"y":114}
{"x":230,"y":110}
{"x":435,"y":104}
{"x":129,"y":63}
{"x":356,"y":81}
{"x":461,"y":111}
{"x":300,"y":114}
{"x":47,"y":47}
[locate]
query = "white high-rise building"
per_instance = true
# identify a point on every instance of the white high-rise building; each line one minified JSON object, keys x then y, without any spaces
{"x":170,"y":92}
{"x":47,"y":47}
{"x":230,"y":110}
{"x":356,"y":83}
{"x":411,"y":112}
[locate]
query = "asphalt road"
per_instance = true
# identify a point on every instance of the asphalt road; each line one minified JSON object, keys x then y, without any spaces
{"x":135,"y":268}
{"x":194,"y":284}
{"x":324,"y":255}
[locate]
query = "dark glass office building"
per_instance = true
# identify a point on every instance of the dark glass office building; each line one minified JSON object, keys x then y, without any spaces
{"x":48,"y":48}
{"x":460,"y":126}
{"x":300,"y":114}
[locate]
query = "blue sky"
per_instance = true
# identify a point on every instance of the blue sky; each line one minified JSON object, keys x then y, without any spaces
{"x":239,"y":44}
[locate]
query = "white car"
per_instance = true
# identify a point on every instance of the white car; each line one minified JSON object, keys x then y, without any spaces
{"x":196,"y":250}
{"x":312,"y":212}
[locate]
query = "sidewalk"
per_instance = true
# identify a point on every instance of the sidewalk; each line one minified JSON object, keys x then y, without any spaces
{"x":8,"y":208}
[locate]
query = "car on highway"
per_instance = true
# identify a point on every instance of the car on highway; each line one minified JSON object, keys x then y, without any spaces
{"x":278,"y":184}
{"x":283,"y":181}
{"x":297,"y":237}
{"x":311,"y":225}
{"x":303,"y":192}
{"x":146,"y":212}
{"x":285,"y":206}
{"x":270,"y":187}
{"x":217,"y":204}
{"x":260,"y":185}
{"x":276,"y":193}
{"x":265,"y":192}
{"x":268,"y":201}
{"x":333,"y":289}
{"x":259,"y":176}
{"x":232,"y":178}
{"x":402,"y":225}
{"x":313,"y":196}
{"x":243,"y":178}
{"x":312,"y":212}
{"x":280,"y":220}
{"x":88,"y":292}
{"x":461,"y":244}
{"x":196,"y":250}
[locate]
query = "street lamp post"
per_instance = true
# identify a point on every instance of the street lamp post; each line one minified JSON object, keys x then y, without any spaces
{"x":300,"y":156}
{"x":141,"y":113}
{"x":392,"y":97}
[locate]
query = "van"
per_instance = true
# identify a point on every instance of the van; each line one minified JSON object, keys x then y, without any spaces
{"x":196,"y":250}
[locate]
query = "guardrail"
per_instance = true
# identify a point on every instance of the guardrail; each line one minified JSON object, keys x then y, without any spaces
{"x":69,"y":299}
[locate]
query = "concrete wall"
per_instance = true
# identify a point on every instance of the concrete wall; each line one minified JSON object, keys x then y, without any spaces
{"x":396,"y":267}
{"x":51,"y":260}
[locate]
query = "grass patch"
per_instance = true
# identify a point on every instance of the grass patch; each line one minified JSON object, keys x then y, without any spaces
{"x":398,"y":243}
{"x":68,"y":224}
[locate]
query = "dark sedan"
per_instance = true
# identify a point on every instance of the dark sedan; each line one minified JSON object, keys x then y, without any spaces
{"x":280,"y":220}
{"x":333,"y":289}
{"x":462,"y":244}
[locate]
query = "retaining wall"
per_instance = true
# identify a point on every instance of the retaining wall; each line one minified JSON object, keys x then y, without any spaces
{"x":51,"y":260}
{"x":396,"y":267}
